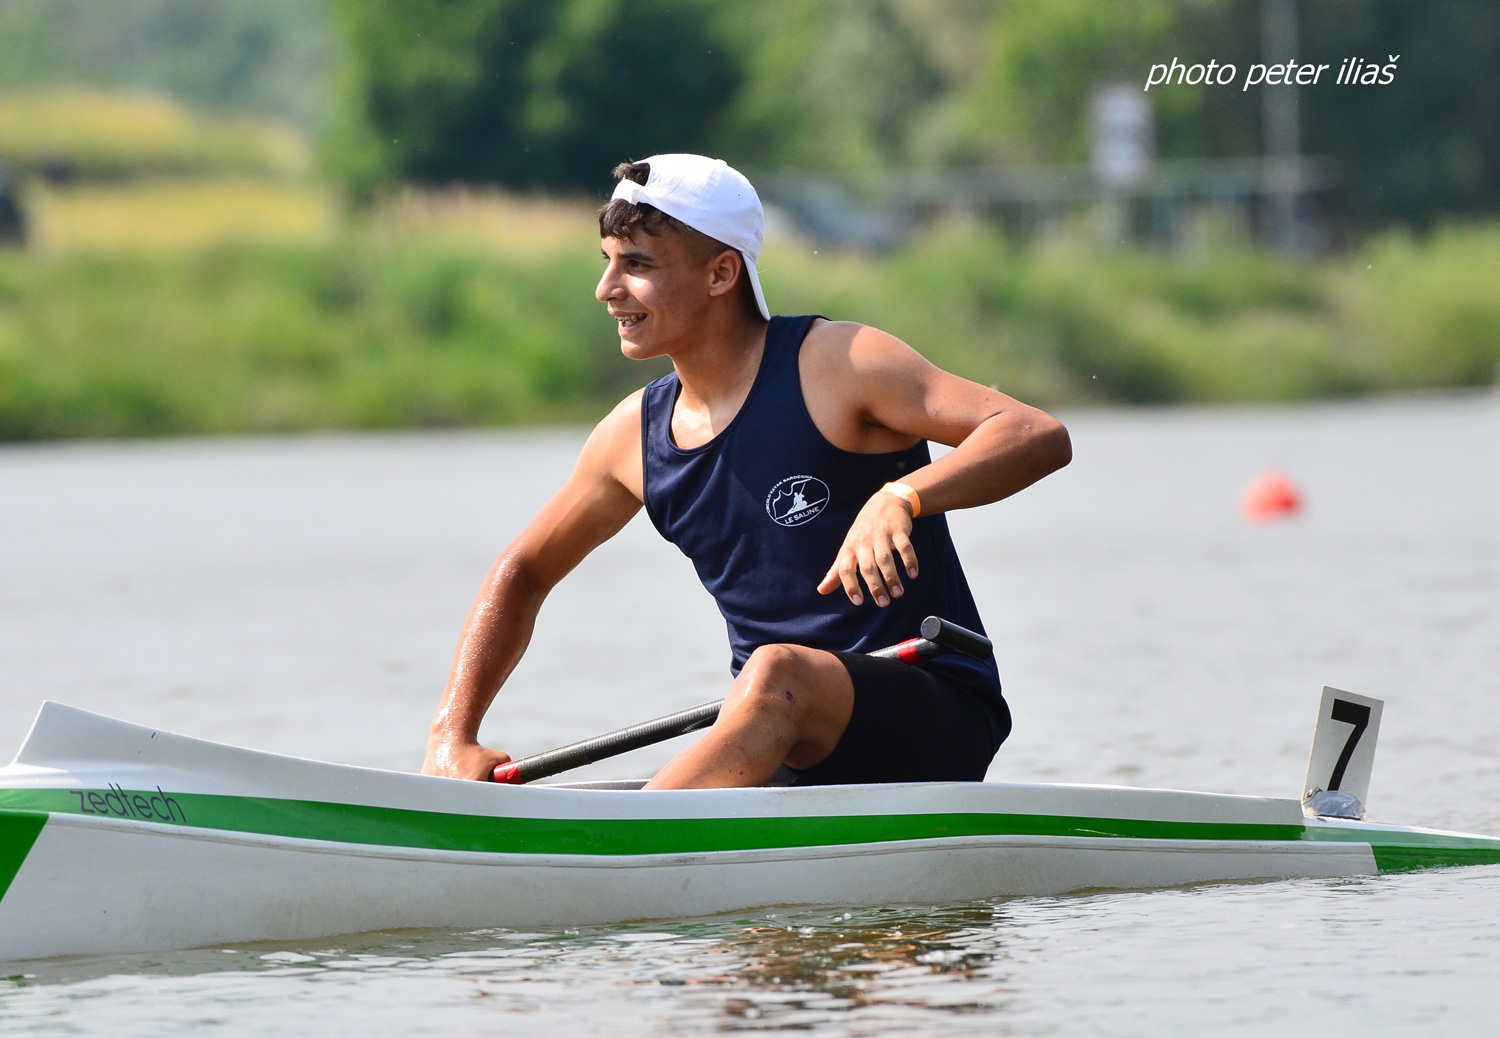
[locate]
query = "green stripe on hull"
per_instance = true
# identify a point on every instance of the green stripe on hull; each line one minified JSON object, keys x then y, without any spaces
{"x":24,"y":811}
{"x":1414,"y":849}
{"x":1390,"y":858}
{"x":433,"y":830}
{"x":18,"y":831}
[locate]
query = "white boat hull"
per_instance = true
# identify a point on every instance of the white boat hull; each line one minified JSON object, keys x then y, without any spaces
{"x":145,"y":841}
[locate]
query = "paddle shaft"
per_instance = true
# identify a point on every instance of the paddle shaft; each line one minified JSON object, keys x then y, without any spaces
{"x":938,"y":637}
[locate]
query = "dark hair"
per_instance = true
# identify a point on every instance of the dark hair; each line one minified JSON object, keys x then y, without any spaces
{"x":621,"y":219}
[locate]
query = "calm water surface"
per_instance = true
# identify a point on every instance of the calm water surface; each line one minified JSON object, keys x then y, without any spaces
{"x":303,"y":596}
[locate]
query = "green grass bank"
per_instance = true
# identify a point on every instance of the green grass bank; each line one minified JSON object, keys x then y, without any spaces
{"x":366,"y":328}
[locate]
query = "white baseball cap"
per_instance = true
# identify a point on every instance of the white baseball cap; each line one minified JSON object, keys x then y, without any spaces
{"x":710,"y":196}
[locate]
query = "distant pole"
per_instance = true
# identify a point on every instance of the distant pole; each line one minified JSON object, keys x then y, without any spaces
{"x":1122,"y":145}
{"x":1280,"y":132}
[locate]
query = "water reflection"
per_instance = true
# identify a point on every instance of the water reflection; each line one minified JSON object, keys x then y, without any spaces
{"x":1078,"y":964}
{"x":777,"y":971}
{"x":788,"y":969}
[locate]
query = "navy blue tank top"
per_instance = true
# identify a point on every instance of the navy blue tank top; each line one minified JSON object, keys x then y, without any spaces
{"x":762,"y":510}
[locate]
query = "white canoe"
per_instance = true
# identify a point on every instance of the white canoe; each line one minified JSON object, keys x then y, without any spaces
{"x":120,"y":838}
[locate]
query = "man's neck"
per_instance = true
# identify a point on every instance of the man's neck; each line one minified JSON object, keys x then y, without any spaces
{"x":721,"y":363}
{"x":716,"y":371}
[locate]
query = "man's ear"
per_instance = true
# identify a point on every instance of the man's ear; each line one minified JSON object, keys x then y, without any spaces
{"x":724,"y":272}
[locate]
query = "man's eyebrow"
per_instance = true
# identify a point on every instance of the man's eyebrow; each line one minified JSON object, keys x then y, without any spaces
{"x":645,"y":257}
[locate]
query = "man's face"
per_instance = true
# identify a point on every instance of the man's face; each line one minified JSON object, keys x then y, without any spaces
{"x":656,"y":289}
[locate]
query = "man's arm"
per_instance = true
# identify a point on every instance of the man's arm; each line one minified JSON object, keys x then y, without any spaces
{"x":598,"y":499}
{"x":873,"y":392}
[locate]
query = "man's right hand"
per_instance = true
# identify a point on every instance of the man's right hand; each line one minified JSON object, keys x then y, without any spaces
{"x":601,"y":496}
{"x":462,"y":760}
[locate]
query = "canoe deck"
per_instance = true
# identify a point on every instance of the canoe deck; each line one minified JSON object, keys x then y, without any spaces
{"x":116,"y":837}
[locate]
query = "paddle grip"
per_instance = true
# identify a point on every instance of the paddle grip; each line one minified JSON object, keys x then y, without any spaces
{"x":939,"y":636}
{"x":960,"y":639}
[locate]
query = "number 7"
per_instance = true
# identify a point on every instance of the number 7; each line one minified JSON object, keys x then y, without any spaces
{"x":1359,"y":717}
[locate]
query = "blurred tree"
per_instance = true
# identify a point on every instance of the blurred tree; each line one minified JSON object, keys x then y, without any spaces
{"x":266,"y":57}
{"x":1428,"y":144}
{"x":1425,"y":145}
{"x":551,"y":94}
{"x":841,"y":86}
{"x":527,"y":94}
{"x":1041,"y":61}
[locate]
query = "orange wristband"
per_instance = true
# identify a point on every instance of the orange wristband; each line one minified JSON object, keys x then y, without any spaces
{"x":908,"y":495}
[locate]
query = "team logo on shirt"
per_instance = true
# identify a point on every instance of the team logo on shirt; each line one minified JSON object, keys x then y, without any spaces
{"x":796,"y":499}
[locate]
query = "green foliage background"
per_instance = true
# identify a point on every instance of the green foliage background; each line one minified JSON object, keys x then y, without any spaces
{"x":255,"y":57}
{"x":525,"y":94}
{"x":550,"y":95}
{"x":345,"y":324}
{"x":367,"y":332}
{"x":553,"y":94}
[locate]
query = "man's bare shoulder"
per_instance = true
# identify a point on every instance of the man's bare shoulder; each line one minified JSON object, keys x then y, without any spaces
{"x":834,"y":349}
{"x":613,"y":449}
{"x":858,"y":380}
{"x":624,"y":418}
{"x":852,"y":373}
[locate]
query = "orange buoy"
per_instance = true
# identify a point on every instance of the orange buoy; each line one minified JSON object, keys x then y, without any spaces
{"x":1270,"y":496}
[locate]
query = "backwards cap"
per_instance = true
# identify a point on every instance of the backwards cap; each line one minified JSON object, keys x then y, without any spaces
{"x":709,"y":196}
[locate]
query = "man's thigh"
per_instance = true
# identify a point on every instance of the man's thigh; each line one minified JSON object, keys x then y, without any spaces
{"x":907,"y":725}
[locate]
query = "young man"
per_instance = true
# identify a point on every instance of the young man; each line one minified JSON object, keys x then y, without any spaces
{"x":787,"y":457}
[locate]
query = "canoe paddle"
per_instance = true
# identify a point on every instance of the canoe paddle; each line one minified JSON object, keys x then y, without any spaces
{"x":938,"y":636}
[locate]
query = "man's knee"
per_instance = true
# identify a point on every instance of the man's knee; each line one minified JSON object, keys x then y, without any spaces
{"x":775,"y":678}
{"x":783,"y":662}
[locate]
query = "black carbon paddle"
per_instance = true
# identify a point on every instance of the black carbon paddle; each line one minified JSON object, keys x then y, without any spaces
{"x":938,"y":636}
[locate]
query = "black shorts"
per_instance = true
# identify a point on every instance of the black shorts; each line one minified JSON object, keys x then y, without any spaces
{"x":910,"y":724}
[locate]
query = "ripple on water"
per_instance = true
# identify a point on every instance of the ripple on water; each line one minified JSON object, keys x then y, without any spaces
{"x":1378,"y":955}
